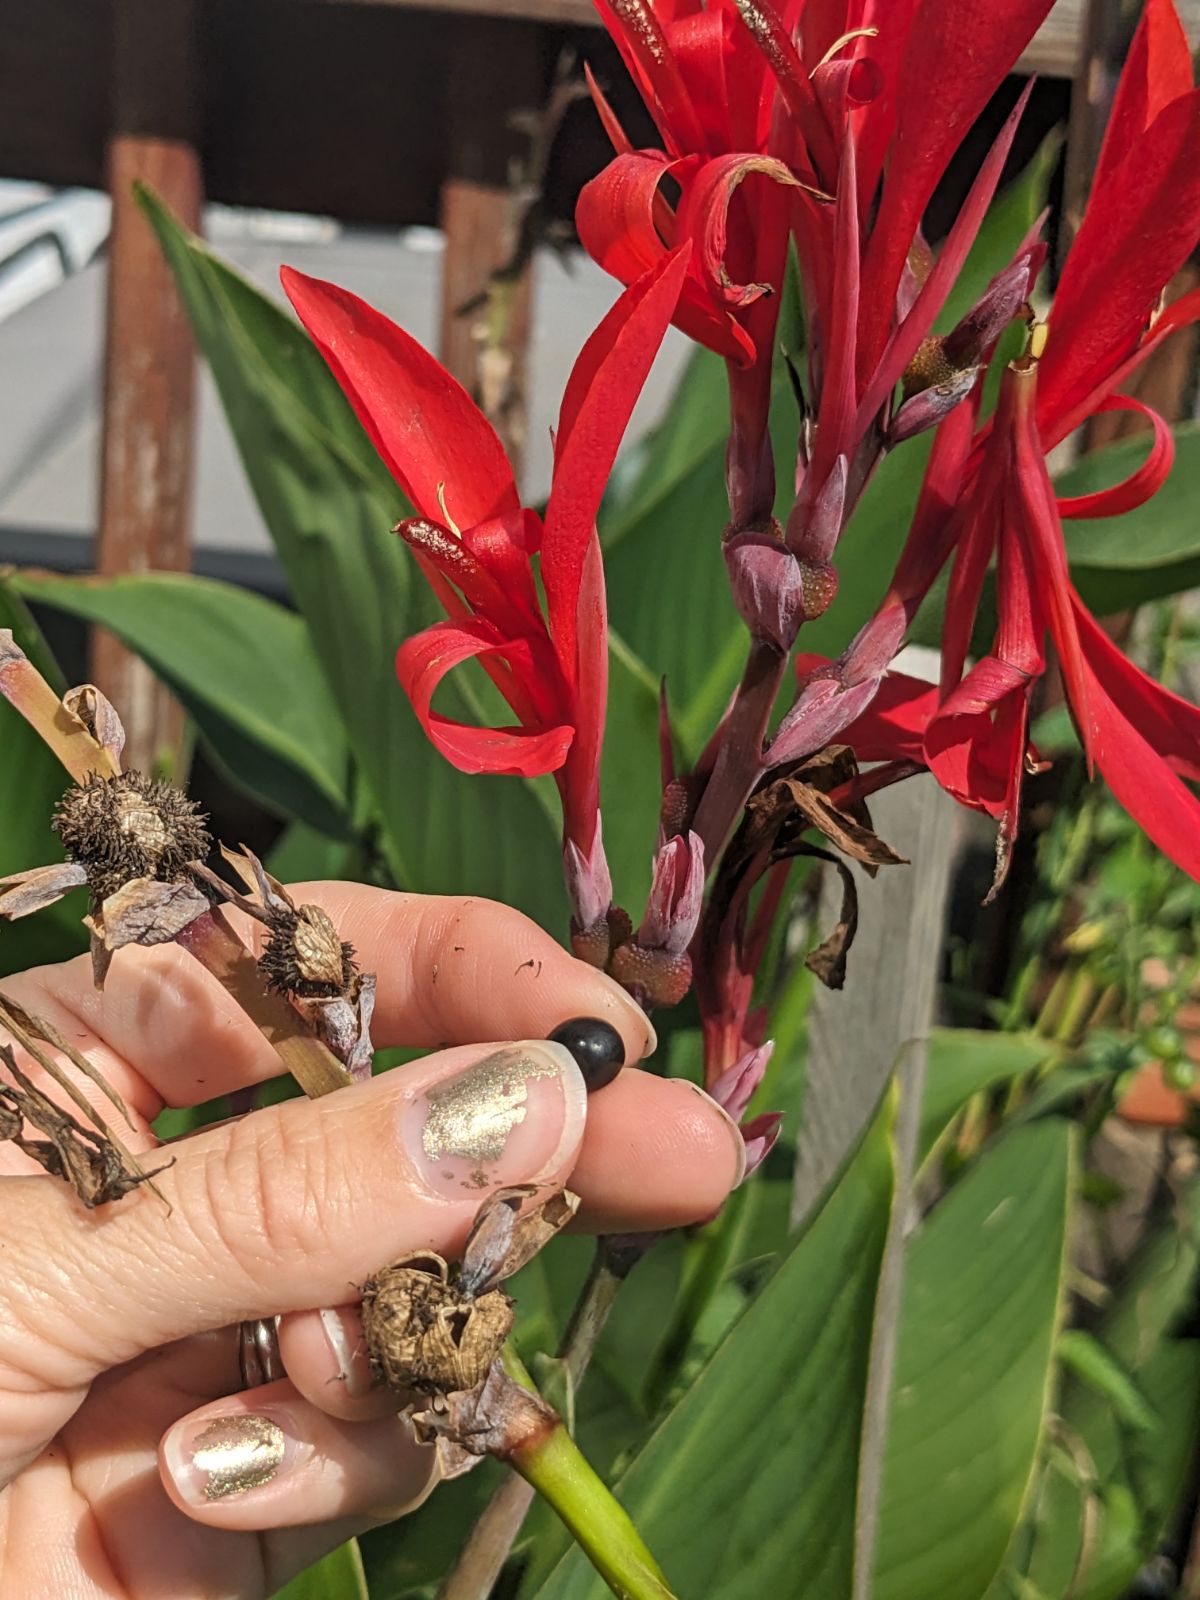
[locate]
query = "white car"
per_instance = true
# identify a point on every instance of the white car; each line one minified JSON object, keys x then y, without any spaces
{"x":46,"y":235}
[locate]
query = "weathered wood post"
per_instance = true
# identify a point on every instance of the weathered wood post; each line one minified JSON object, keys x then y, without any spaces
{"x":150,"y":359}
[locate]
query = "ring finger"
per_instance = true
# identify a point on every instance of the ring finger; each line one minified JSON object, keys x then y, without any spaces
{"x":268,"y":1458}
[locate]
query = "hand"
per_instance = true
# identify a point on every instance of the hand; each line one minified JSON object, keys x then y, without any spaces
{"x":132,"y":1462}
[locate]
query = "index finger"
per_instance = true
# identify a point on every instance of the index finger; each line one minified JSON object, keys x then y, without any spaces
{"x":450,"y":971}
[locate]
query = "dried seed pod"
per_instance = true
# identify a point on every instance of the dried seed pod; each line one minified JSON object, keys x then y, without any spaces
{"x":304,"y":955}
{"x":130,"y":827}
{"x":424,"y":1332}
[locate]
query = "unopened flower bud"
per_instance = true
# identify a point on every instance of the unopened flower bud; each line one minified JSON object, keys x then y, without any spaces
{"x":676,"y":896}
{"x":767,"y":584}
{"x":773,"y":590}
{"x":734,"y":1089}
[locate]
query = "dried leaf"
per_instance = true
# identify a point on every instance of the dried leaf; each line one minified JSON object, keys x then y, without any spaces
{"x":828,"y":960}
{"x":27,"y":1029}
{"x":503,"y":1239}
{"x":92,"y":1164}
{"x":23,"y":893}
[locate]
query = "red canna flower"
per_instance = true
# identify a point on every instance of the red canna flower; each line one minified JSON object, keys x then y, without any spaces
{"x":759,"y":131}
{"x":988,"y":496}
{"x":476,"y":543}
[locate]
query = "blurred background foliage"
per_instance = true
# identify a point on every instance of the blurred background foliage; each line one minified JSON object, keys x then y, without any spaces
{"x":1045,"y":1379}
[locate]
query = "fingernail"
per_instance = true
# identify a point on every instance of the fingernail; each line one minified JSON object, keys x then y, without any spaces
{"x":511,"y":1118}
{"x":344,"y":1336}
{"x":735,"y":1133}
{"x":221,"y":1458}
{"x":639,"y":1023}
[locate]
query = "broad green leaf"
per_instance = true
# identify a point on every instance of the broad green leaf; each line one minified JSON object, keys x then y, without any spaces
{"x":302,"y":855}
{"x":962,"y":1062}
{"x":244,"y":669}
{"x":31,"y":785}
{"x":1105,"y":1498}
{"x":631,"y":784}
{"x":668,"y":593}
{"x":971,"y":1385}
{"x":329,"y":506}
{"x":339,"y":1576}
{"x":1121,"y":562}
{"x":748,"y":1485}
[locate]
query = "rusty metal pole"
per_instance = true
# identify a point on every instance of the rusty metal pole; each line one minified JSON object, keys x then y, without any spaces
{"x":496,"y":71}
{"x":150,"y":357}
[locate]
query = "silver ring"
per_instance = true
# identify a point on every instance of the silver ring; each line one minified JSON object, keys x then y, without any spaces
{"x":258,"y":1353}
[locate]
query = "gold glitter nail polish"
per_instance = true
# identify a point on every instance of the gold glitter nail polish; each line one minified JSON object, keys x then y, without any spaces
{"x":234,"y":1454}
{"x":471,"y":1116}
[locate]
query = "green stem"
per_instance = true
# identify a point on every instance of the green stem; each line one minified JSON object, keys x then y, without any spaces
{"x":554,"y":1465}
{"x":489,"y":1544}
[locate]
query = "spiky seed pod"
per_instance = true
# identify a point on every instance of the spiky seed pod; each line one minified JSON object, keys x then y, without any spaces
{"x":304,"y":955}
{"x":129,"y":827}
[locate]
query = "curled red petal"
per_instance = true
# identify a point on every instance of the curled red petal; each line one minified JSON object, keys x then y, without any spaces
{"x":975,"y":743}
{"x":704,"y":215}
{"x":429,"y":431}
{"x":421,"y":664}
{"x":1139,"y":486}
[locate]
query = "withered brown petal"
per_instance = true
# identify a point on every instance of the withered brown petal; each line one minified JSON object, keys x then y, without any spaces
{"x":22,"y":893}
{"x":147,"y":912}
{"x":99,"y":717}
{"x":257,"y":879}
{"x":490,"y":1237}
{"x":495,"y":1419}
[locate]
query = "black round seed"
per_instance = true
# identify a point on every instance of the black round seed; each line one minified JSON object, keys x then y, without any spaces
{"x":597,"y":1047}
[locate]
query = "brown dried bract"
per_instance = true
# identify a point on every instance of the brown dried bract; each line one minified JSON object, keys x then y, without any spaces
{"x":783,"y":810}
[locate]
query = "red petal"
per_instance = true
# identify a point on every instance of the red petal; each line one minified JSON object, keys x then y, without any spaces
{"x":1170,"y":724}
{"x":904,"y":343}
{"x":704,"y":215}
{"x":1137,"y":232}
{"x":1141,"y":485}
{"x":893,"y":726}
{"x":603,"y":388}
{"x":957,"y":54}
{"x":421,"y":664}
{"x":622,"y":218}
{"x":1157,"y":70}
{"x":893,"y":19}
{"x":617,"y":136}
{"x":836,"y":414}
{"x":639,"y":36}
{"x":975,"y":744}
{"x":421,"y":420}
{"x":1134,"y":769}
